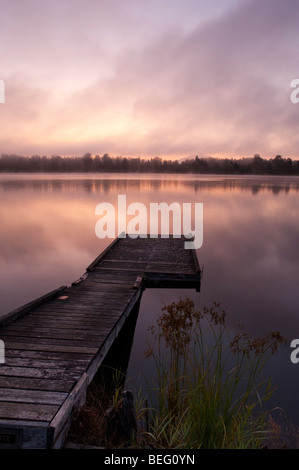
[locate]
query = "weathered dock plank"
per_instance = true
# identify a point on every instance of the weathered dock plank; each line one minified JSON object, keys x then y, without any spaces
{"x":38,"y":397}
{"x":28,"y":411}
{"x":55,"y":344}
{"x":48,"y":347}
{"x":29,"y":383}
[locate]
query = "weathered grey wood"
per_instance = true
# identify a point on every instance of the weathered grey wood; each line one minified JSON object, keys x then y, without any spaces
{"x":69,"y":322}
{"x":62,"y":419}
{"x":15,"y":371}
{"x":65,"y":333}
{"x":115,"y":263}
{"x":32,"y":396}
{"x":52,"y":341}
{"x":85,"y":311}
{"x":43,"y":363}
{"x":102,"y":287}
{"x":29,"y":383}
{"x":49,"y":347}
{"x":30,"y":411}
{"x":47,"y":355}
{"x":95,"y":320}
{"x":99,"y":357}
{"x":55,"y":344}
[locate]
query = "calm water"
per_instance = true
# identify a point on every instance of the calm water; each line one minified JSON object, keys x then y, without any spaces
{"x":250,"y":250}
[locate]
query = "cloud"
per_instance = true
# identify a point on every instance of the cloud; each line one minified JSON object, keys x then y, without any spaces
{"x":220,"y":88}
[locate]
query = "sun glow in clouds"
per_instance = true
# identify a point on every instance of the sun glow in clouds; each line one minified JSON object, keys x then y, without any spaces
{"x":159,"y":216}
{"x":142,"y":78}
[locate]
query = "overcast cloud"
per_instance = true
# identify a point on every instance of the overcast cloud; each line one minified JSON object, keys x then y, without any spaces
{"x":166,"y":78}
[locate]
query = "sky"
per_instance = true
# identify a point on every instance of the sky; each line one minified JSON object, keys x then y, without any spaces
{"x":168,"y":78}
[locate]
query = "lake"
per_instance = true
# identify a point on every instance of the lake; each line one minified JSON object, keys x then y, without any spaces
{"x":249,"y":255}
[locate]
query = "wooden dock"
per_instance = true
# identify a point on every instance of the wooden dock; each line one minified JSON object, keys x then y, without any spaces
{"x":55,"y":344}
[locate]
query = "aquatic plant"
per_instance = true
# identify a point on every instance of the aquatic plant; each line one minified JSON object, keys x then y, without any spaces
{"x":210,"y":390}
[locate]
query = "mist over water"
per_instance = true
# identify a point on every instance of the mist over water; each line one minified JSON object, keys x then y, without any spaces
{"x":250,"y":255}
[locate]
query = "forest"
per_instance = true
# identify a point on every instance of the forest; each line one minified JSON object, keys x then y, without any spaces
{"x":89,"y":163}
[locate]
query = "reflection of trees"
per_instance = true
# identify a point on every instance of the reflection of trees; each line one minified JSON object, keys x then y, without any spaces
{"x":106,"y":164}
{"x":123,"y":185}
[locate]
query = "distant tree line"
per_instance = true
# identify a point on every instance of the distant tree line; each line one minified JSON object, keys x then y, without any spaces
{"x":106,"y":164}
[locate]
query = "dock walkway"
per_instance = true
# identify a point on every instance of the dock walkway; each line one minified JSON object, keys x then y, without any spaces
{"x":55,"y":344}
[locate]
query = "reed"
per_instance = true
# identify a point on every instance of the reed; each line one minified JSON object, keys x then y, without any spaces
{"x":210,"y":390}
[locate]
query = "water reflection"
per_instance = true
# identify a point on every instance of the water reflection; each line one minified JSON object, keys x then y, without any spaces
{"x":111,"y":183}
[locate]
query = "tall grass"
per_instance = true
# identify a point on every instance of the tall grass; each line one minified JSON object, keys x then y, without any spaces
{"x":210,"y":386}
